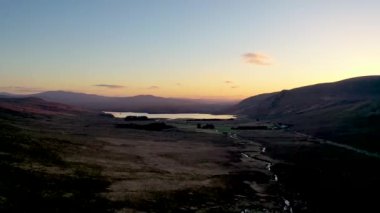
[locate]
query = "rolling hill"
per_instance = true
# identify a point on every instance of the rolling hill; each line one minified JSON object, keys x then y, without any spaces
{"x":35,"y":106}
{"x":347,"y":111}
{"x":140,"y":103}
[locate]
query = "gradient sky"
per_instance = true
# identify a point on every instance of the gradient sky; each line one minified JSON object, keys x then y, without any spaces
{"x":185,"y":48}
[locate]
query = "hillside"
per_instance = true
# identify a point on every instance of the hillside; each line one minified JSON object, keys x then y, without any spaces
{"x":141,"y":103}
{"x":27,"y":106}
{"x":347,"y":111}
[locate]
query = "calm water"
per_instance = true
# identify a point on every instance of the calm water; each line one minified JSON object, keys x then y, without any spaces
{"x":171,"y":116}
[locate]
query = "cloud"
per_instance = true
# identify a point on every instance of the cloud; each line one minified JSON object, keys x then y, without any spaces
{"x":154,"y":87}
{"x":228,"y":82}
{"x":234,"y":87}
{"x":109,"y":86}
{"x":258,"y":59}
{"x":179,"y":84}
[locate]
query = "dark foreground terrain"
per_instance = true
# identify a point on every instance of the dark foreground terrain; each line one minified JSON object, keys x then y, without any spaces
{"x":326,"y":177}
{"x":82,"y":162}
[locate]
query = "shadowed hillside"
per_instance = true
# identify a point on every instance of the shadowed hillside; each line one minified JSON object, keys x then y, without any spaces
{"x":141,"y":103}
{"x":347,"y":111}
{"x":35,"y":106}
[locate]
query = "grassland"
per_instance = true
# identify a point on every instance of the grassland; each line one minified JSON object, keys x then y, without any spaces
{"x":83,"y":162}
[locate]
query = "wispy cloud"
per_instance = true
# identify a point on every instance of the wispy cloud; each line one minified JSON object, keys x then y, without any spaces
{"x":258,"y":59}
{"x":228,"y":82}
{"x":179,"y":84}
{"x":234,"y":87}
{"x":110,"y":86}
{"x":154,"y":87}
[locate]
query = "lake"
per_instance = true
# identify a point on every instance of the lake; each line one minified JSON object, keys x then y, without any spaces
{"x":172,"y":116}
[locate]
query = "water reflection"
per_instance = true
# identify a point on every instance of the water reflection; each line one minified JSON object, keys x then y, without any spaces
{"x":172,"y":116}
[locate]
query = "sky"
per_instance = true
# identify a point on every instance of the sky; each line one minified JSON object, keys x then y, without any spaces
{"x":214,"y":49}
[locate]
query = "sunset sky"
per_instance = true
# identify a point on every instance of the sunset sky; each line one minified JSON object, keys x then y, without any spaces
{"x":224,"y":49}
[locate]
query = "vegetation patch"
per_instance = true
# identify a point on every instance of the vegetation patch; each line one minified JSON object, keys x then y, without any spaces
{"x":24,"y":187}
{"x":157,"y":126}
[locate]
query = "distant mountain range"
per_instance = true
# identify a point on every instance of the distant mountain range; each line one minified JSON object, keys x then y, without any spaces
{"x":346,"y":111}
{"x":141,"y":103}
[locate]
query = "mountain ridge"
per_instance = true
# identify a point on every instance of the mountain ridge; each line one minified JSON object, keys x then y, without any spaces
{"x":344,"y":111}
{"x":146,"y":103}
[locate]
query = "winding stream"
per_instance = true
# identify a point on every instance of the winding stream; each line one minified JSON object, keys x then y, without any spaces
{"x":287,"y":205}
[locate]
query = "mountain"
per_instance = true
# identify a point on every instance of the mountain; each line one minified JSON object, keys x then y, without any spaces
{"x":346,"y":111}
{"x":7,"y":95}
{"x":141,"y":103}
{"x":30,"y":105}
{"x":4,"y":94}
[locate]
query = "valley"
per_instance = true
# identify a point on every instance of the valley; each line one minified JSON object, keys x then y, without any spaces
{"x":170,"y":106}
{"x":81,"y":161}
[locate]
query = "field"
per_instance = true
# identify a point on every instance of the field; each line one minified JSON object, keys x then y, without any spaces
{"x":82,"y":162}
